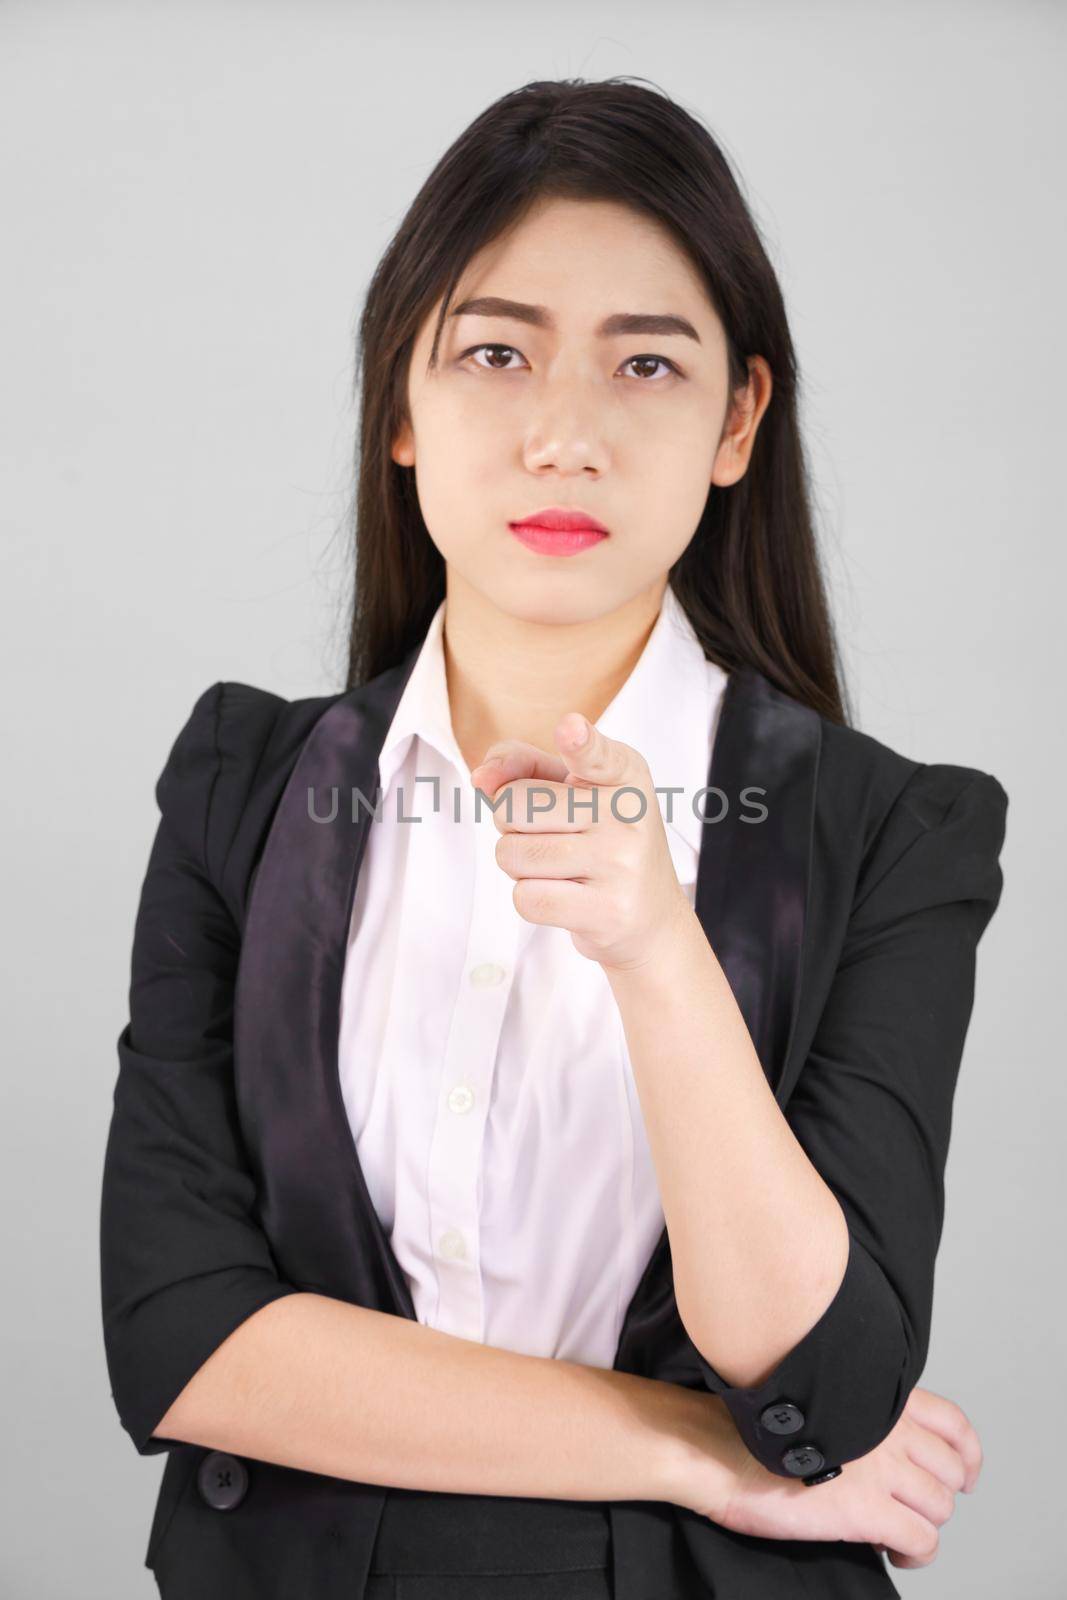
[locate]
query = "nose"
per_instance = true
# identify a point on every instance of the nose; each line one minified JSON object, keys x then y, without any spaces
{"x":566,"y":432}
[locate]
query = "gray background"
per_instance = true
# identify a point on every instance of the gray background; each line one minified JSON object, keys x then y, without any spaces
{"x":194,"y":198}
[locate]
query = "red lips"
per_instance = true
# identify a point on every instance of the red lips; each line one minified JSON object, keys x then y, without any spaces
{"x":557,"y":519}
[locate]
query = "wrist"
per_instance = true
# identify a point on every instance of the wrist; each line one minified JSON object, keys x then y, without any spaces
{"x":679,"y":934}
{"x":698,"y":1452}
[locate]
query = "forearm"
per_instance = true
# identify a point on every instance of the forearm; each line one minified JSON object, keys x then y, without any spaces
{"x":328,"y":1387}
{"x":759,"y":1242}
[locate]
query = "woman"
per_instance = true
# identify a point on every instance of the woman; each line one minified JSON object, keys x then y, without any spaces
{"x":543,"y":1199}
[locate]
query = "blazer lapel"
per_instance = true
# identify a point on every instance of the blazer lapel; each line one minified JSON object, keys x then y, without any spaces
{"x":314,"y":1203}
{"x":751,"y":896}
{"x":752,"y":875}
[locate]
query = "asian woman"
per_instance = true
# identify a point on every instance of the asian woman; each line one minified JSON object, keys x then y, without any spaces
{"x":526,"y":1168}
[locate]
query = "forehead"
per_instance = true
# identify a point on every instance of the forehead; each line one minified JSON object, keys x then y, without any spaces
{"x":582,"y":260}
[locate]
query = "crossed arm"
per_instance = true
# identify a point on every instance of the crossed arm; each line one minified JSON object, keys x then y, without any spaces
{"x":804,"y":1238}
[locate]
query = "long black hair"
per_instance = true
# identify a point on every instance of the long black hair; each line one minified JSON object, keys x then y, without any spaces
{"x":750,"y":579}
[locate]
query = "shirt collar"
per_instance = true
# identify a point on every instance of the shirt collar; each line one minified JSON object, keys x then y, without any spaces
{"x":423,"y":708}
{"x":666,"y":709}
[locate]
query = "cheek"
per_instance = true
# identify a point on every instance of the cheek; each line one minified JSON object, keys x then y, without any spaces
{"x":466,"y":404}
{"x":669,"y":459}
{"x":454,"y":476}
{"x":673,"y":429}
{"x":461,"y":437}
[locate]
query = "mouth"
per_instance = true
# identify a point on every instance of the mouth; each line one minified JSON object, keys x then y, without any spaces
{"x":559,"y":532}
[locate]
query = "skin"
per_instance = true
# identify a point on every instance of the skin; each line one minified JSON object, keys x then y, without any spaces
{"x":571,"y":421}
{"x":635,"y":429}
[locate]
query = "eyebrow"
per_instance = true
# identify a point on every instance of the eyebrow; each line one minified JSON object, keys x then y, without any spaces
{"x":620,"y":322}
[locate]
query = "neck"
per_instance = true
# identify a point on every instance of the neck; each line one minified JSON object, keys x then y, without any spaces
{"x":509,"y":678}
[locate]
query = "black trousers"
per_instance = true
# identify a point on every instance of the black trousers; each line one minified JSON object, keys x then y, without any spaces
{"x":481,"y":1547}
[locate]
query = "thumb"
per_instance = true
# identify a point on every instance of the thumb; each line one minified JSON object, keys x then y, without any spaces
{"x":590,"y":754}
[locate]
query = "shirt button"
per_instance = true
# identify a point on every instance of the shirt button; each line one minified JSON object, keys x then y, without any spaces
{"x":460,"y":1098}
{"x":488,"y":975}
{"x":451,"y":1245}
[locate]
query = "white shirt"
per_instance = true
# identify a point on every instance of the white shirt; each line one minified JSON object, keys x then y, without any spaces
{"x":483,"y":1062}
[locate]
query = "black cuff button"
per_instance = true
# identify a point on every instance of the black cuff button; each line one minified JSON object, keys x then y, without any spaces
{"x":822,"y":1477}
{"x":784,"y":1417}
{"x":803,"y":1459}
{"x":222,"y":1480}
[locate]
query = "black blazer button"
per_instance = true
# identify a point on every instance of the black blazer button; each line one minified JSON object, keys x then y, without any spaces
{"x":784,"y":1417}
{"x":802,"y":1459}
{"x":222,"y":1480}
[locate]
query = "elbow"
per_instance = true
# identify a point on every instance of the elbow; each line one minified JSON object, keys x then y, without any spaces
{"x":839,"y":1392}
{"x":737,"y":1360}
{"x":748,"y":1347}
{"x":155,"y":1347}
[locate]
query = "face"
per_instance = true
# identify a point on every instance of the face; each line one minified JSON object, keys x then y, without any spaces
{"x":544,"y":407}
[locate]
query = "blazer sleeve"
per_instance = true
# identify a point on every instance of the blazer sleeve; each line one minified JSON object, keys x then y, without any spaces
{"x":183,"y":1259}
{"x":872,"y":1108}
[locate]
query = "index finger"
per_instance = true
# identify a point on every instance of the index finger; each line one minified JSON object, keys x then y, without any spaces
{"x":513,"y":759}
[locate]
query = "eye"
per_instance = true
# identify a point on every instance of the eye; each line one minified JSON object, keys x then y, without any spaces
{"x":507,"y":349}
{"x":663,"y":361}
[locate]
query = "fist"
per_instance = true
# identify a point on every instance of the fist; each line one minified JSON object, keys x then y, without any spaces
{"x":585,"y":844}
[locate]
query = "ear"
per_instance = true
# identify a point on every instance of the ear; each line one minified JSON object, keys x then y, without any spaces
{"x":402,"y":449}
{"x":747,"y":407}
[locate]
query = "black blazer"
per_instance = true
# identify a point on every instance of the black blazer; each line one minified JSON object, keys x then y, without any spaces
{"x":847,"y":923}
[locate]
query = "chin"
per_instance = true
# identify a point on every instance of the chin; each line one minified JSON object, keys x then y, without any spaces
{"x":552,"y":602}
